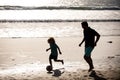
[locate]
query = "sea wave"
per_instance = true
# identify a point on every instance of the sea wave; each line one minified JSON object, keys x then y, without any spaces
{"x":60,"y":20}
{"x":8,"y":7}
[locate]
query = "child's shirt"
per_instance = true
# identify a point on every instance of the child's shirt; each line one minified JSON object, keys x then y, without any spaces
{"x":54,"y":49}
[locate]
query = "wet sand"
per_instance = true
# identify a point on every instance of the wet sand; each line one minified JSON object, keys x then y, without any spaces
{"x":26,"y":59}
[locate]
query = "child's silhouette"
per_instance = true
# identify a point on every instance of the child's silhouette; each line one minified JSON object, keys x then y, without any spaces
{"x":54,"y":51}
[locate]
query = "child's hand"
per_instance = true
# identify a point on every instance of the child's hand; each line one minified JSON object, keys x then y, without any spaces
{"x":47,"y":50}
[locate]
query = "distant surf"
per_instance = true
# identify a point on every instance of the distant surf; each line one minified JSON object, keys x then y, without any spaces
{"x":8,"y":7}
{"x":60,"y":20}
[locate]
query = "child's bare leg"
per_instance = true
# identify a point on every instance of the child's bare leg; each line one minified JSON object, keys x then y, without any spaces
{"x":59,"y":61}
{"x":50,"y":61}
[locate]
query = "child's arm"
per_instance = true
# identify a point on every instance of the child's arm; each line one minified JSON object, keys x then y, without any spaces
{"x":59,"y":49}
{"x":48,"y":49}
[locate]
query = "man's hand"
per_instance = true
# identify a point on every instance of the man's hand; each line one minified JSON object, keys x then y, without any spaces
{"x":79,"y":45}
{"x":95,"y":44}
{"x":60,"y":52}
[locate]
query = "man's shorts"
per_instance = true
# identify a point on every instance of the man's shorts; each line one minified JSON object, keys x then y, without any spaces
{"x":88,"y":51}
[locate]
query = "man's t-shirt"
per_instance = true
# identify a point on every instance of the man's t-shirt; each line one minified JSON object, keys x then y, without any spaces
{"x":89,"y":36}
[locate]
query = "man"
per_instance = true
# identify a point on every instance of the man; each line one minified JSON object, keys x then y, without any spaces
{"x":90,"y":43}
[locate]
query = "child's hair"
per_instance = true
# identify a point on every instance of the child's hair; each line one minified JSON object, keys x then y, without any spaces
{"x":51,"y":40}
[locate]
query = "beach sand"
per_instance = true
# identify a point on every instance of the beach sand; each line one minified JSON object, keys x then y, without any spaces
{"x":26,"y":59}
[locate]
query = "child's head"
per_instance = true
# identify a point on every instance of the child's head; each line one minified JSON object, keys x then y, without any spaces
{"x":51,"y":40}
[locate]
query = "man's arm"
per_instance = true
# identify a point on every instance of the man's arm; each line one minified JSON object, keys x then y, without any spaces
{"x":97,"y":39}
{"x":82,"y":42}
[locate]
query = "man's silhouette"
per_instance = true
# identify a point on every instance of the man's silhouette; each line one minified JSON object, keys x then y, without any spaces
{"x":90,"y":43}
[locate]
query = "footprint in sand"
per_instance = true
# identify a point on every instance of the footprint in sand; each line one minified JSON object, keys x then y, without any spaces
{"x":109,"y":42}
{"x":111,"y":57}
{"x":13,"y":59}
{"x":117,"y":55}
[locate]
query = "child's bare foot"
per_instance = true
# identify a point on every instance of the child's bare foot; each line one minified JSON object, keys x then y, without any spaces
{"x":62,"y":62}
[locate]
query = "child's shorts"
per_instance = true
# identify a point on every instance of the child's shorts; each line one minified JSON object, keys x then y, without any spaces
{"x":54,"y":57}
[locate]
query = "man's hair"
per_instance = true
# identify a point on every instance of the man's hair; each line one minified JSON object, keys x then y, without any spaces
{"x":84,"y":23}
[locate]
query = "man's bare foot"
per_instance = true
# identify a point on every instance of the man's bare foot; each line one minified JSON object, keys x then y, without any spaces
{"x":91,"y":69}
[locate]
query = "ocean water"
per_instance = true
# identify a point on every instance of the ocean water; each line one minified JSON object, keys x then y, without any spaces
{"x":55,"y":29}
{"x":58,"y":18}
{"x":61,"y":3}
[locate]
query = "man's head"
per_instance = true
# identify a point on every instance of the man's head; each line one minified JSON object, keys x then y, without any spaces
{"x":84,"y":25}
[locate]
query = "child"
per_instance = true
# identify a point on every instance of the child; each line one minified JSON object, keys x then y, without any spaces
{"x":54,"y":51}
